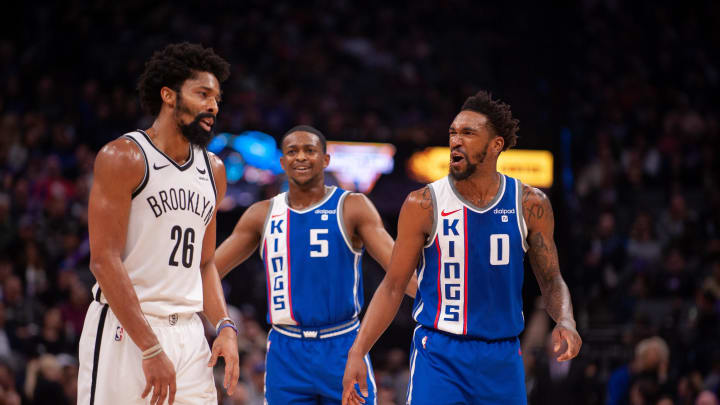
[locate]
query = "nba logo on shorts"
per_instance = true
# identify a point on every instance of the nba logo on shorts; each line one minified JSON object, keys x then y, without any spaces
{"x":119,"y":333}
{"x":424,"y":342}
{"x":172,"y":318}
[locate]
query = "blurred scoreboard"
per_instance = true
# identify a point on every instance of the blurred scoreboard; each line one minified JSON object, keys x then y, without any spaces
{"x":533,"y":167}
{"x":358,"y":165}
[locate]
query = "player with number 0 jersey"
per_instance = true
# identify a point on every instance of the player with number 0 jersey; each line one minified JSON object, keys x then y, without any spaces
{"x":311,"y":239}
{"x":467,"y":235}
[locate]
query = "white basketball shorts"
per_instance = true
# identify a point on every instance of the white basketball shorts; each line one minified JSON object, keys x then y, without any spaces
{"x":111,"y":364}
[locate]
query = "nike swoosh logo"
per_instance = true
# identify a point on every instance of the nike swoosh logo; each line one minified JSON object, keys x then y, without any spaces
{"x":278,"y":215}
{"x":200,"y":171}
{"x":443,"y":213}
{"x":156,"y":167}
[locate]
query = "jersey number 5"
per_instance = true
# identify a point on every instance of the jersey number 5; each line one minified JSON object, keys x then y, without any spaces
{"x":321,"y":243}
{"x":187,"y":239}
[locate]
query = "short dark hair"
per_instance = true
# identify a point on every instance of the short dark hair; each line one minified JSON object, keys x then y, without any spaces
{"x":306,"y":128}
{"x":173,"y":65}
{"x":498,"y":114}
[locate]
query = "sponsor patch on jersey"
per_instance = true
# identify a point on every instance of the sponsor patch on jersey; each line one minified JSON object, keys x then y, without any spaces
{"x":324,"y":214}
{"x":119,"y":332}
{"x":504,"y":211}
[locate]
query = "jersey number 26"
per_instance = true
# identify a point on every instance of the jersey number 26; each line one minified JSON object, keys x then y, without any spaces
{"x":187,"y":239}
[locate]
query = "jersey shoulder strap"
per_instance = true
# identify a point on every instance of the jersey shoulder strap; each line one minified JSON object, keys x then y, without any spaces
{"x":133,"y":136}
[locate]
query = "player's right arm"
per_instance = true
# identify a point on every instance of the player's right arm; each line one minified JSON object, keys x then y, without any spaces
{"x":414,"y":225}
{"x":244,"y":239}
{"x":119,"y":169}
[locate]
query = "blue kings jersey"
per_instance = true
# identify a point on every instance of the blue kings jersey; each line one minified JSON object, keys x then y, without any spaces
{"x":313,"y":273}
{"x":471,"y":272}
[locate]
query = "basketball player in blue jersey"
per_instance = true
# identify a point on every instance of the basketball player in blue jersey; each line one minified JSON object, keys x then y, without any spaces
{"x":151,"y":220}
{"x":467,"y":235}
{"x":311,"y":239}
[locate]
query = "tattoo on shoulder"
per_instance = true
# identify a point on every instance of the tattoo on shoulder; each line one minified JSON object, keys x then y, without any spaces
{"x":426,"y":201}
{"x":536,"y":204}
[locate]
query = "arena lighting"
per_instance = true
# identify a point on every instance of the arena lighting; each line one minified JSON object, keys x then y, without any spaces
{"x":251,"y":155}
{"x":358,"y":165}
{"x":533,"y":167}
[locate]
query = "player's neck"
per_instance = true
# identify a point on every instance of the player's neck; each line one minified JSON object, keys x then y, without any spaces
{"x":481,"y":187}
{"x":167,"y":137}
{"x":300,"y":197}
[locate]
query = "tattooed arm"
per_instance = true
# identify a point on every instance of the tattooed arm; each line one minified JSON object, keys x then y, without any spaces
{"x":544,"y":261}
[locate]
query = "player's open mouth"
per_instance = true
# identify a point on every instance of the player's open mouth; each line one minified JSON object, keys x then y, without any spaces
{"x":302,"y":169}
{"x":456,"y":158}
{"x":207,"y":123}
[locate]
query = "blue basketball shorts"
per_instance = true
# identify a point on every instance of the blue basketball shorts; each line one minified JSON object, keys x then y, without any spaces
{"x":307,"y":367}
{"x":449,"y":370}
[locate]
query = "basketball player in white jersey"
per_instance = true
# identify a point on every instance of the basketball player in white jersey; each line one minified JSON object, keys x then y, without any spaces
{"x":152,"y":243}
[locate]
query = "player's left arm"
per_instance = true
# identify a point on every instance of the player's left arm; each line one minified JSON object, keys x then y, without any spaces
{"x":214,"y":307}
{"x":543,"y":257}
{"x":360,"y":211}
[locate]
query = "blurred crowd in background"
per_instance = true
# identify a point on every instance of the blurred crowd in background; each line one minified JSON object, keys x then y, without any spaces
{"x":624,"y":95}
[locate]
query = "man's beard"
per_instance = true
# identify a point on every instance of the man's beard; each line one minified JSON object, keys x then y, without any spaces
{"x":193,"y":132}
{"x":470,"y":168}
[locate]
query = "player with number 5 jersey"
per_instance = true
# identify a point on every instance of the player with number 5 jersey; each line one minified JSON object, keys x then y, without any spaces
{"x":311,"y":239}
{"x":467,"y":235}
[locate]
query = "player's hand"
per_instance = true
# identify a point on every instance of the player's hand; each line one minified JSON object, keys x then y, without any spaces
{"x":160,"y":377}
{"x":565,"y":333}
{"x":225,"y":345}
{"x":355,"y":373}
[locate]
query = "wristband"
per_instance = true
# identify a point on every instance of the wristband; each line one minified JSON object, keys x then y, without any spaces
{"x":151,"y":350}
{"x":226,"y":319}
{"x":153,"y":354}
{"x":227,"y":325}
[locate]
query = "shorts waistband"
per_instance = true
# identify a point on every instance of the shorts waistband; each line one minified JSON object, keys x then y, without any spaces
{"x":318,"y":332}
{"x":170,"y":320}
{"x":164,"y":320}
{"x":471,"y":338}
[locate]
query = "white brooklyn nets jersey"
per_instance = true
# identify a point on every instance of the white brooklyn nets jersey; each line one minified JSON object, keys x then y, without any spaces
{"x":170,"y":210}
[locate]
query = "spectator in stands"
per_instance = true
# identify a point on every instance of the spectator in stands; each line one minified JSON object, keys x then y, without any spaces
{"x":43,"y":381}
{"x":564,"y":383}
{"x":707,"y":398}
{"x":643,"y":249}
{"x":647,"y":371}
